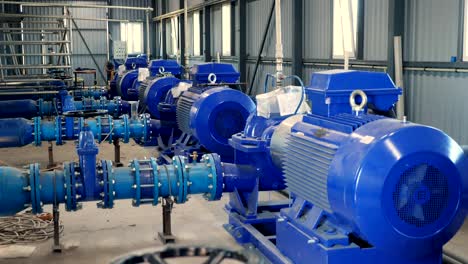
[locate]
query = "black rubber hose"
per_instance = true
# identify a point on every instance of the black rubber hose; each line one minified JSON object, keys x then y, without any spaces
{"x":259,"y":57}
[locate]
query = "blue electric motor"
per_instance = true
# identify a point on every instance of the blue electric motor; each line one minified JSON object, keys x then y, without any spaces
{"x":154,"y":93}
{"x":131,"y":63}
{"x":128,"y":85}
{"x":213,"y":115}
{"x":365,"y":188}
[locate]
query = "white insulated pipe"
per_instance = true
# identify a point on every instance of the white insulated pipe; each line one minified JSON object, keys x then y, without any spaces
{"x":186,"y":54}
{"x":279,"y":43}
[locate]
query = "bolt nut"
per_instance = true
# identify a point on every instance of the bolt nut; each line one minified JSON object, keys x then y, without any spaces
{"x":27,"y":188}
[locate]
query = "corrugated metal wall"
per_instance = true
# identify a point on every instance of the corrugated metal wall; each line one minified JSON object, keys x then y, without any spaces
{"x":435,"y":98}
{"x":94,"y":32}
{"x":431,"y":28}
{"x":375,"y":30}
{"x":439,"y":99}
{"x":317,"y":29}
{"x":431,"y":35}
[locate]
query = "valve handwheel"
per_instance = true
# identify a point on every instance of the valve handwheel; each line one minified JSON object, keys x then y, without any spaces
{"x":213,"y":255}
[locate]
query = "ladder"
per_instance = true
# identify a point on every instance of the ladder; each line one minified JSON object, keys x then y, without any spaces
{"x":35,"y":46}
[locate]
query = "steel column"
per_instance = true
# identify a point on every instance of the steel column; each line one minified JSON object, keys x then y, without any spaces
{"x":182,"y":35}
{"x":164,"y":33}
{"x":243,"y":40}
{"x":153,"y":37}
{"x":297,"y":37}
{"x":396,"y":27}
{"x":207,"y":33}
{"x":360,"y":30}
{"x":461,"y":24}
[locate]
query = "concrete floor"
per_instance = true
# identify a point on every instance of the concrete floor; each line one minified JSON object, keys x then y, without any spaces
{"x":98,"y":236}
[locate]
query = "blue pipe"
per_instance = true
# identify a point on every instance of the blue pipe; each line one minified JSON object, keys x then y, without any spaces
{"x":30,"y":108}
{"x":143,"y":181}
{"x":26,"y":108}
{"x":59,"y":129}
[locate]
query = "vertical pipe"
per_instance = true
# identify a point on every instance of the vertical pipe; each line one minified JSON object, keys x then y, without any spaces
{"x":107,"y":32}
{"x":279,"y":42}
{"x":461,"y":29}
{"x":399,"y":76}
{"x":148,"y":50}
{"x":186,"y":55}
{"x":396,"y":11}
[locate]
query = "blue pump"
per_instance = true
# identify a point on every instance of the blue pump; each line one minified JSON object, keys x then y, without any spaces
{"x":364,"y":188}
{"x":127,"y":85}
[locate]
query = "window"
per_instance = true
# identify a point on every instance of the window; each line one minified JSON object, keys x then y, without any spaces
{"x":132,"y":34}
{"x":345,"y":18}
{"x":226,"y":29}
{"x":196,"y":33}
{"x":175,"y":35}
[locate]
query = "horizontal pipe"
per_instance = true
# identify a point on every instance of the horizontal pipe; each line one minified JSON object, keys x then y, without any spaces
{"x":142,"y":181}
{"x":69,"y":128}
{"x":35,"y":54}
{"x":190,"y":9}
{"x":32,"y":32}
{"x":33,"y":29}
{"x":43,"y":66}
{"x":34,"y":42}
{"x":24,"y":93}
{"x":40,"y":22}
{"x":430,"y":69}
{"x":25,"y":87}
{"x":64,"y":17}
{"x":61,"y":5}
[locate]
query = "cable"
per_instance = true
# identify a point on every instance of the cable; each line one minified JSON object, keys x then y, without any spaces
{"x":25,"y":228}
{"x":105,"y":138}
{"x":302,"y":92}
{"x":265,"y":85}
